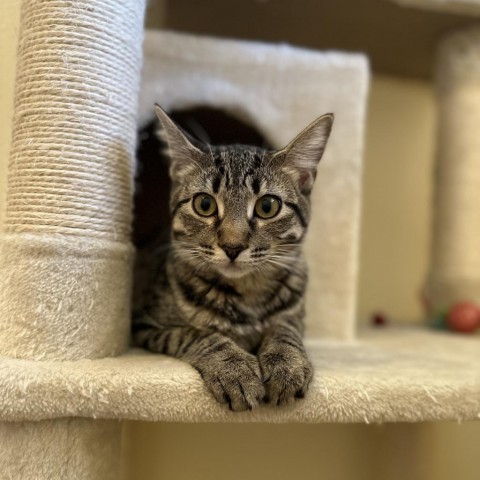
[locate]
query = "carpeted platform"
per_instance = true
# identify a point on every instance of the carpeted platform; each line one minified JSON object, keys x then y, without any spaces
{"x":387,"y":375}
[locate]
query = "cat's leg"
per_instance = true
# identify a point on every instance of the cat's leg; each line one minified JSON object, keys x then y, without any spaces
{"x":285,"y":367}
{"x":231,"y":373}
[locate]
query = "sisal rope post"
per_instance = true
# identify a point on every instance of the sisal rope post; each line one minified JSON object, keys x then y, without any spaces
{"x":455,"y":263}
{"x":65,"y":255}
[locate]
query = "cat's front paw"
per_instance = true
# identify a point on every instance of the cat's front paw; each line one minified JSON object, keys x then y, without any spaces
{"x":235,"y":380}
{"x":287,"y":373}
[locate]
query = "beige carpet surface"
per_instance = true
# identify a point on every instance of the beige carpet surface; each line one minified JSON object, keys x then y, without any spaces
{"x":387,"y":375}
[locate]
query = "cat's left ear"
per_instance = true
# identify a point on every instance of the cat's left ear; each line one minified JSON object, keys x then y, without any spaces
{"x":302,"y":155}
{"x":181,"y":151}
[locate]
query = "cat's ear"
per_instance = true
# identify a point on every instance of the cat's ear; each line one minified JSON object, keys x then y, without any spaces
{"x":301,"y":156}
{"x":180,"y":150}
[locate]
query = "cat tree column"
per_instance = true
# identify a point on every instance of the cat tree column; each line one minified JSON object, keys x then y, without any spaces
{"x":65,"y":256}
{"x":455,"y":265}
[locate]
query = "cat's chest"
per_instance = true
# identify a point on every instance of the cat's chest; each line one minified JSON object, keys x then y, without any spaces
{"x":220,"y":305}
{"x":242,"y":309}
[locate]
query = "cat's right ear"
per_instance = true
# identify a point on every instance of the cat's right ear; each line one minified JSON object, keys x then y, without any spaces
{"x":180,"y":150}
{"x":301,"y":156}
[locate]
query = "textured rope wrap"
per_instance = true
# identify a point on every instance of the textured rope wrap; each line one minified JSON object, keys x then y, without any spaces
{"x":455,"y":266}
{"x":71,"y":163}
{"x":65,"y":261}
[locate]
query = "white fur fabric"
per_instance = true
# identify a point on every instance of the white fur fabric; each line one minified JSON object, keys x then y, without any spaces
{"x":390,"y":375}
{"x":65,"y":448}
{"x":279,"y":90}
{"x":63,"y":297}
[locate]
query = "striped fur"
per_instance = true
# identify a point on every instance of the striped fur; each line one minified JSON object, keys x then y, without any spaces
{"x":238,"y":321}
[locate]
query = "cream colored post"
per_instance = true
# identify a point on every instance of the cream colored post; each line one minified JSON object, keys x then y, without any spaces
{"x":65,"y":254}
{"x":455,"y":264}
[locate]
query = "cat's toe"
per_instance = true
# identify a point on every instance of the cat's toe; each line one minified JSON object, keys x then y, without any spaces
{"x":286,"y":377}
{"x":240,"y":394}
{"x":248,"y":395}
{"x":236,"y":382}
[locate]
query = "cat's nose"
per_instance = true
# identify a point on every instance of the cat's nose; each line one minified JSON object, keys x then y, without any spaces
{"x":233,"y":251}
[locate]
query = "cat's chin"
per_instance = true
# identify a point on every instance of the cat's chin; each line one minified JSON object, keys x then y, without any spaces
{"x":232,"y":270}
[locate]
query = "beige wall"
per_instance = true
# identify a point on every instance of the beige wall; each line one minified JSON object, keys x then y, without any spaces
{"x":309,"y":452}
{"x":396,"y":201}
{"x":247,"y":452}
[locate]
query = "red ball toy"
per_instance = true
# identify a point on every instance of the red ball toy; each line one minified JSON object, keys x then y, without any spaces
{"x":379,"y":319}
{"x":464,"y":317}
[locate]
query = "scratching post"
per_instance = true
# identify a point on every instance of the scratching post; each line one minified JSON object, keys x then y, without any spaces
{"x":455,"y":265}
{"x":65,"y":256}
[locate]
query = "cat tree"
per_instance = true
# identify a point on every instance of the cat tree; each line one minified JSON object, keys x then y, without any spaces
{"x":65,"y":258}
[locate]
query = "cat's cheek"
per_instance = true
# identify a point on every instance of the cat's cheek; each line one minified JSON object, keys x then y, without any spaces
{"x":292,"y":235}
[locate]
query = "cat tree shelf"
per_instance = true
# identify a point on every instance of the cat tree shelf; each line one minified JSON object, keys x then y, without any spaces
{"x":388,"y":375}
{"x":399,"y":36}
{"x":466,"y":7}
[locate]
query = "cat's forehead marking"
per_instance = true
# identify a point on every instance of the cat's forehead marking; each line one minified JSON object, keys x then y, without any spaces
{"x":236,"y":168}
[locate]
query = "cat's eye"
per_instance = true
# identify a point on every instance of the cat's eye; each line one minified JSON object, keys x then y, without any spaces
{"x":205,"y":205}
{"x":268,"y":206}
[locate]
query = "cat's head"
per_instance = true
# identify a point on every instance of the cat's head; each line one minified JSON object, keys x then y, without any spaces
{"x":238,"y":209}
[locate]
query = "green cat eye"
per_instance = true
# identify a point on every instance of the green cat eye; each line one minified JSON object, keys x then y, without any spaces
{"x":205,"y":205}
{"x":267,"y":206}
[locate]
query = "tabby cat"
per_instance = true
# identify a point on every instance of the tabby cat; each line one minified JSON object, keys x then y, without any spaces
{"x":228,"y":294}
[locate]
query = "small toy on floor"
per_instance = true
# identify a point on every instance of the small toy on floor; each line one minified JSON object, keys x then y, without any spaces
{"x":379,"y":319}
{"x":462,"y":317}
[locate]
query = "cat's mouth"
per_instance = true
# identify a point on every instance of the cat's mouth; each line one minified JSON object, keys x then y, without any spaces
{"x":233,"y":269}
